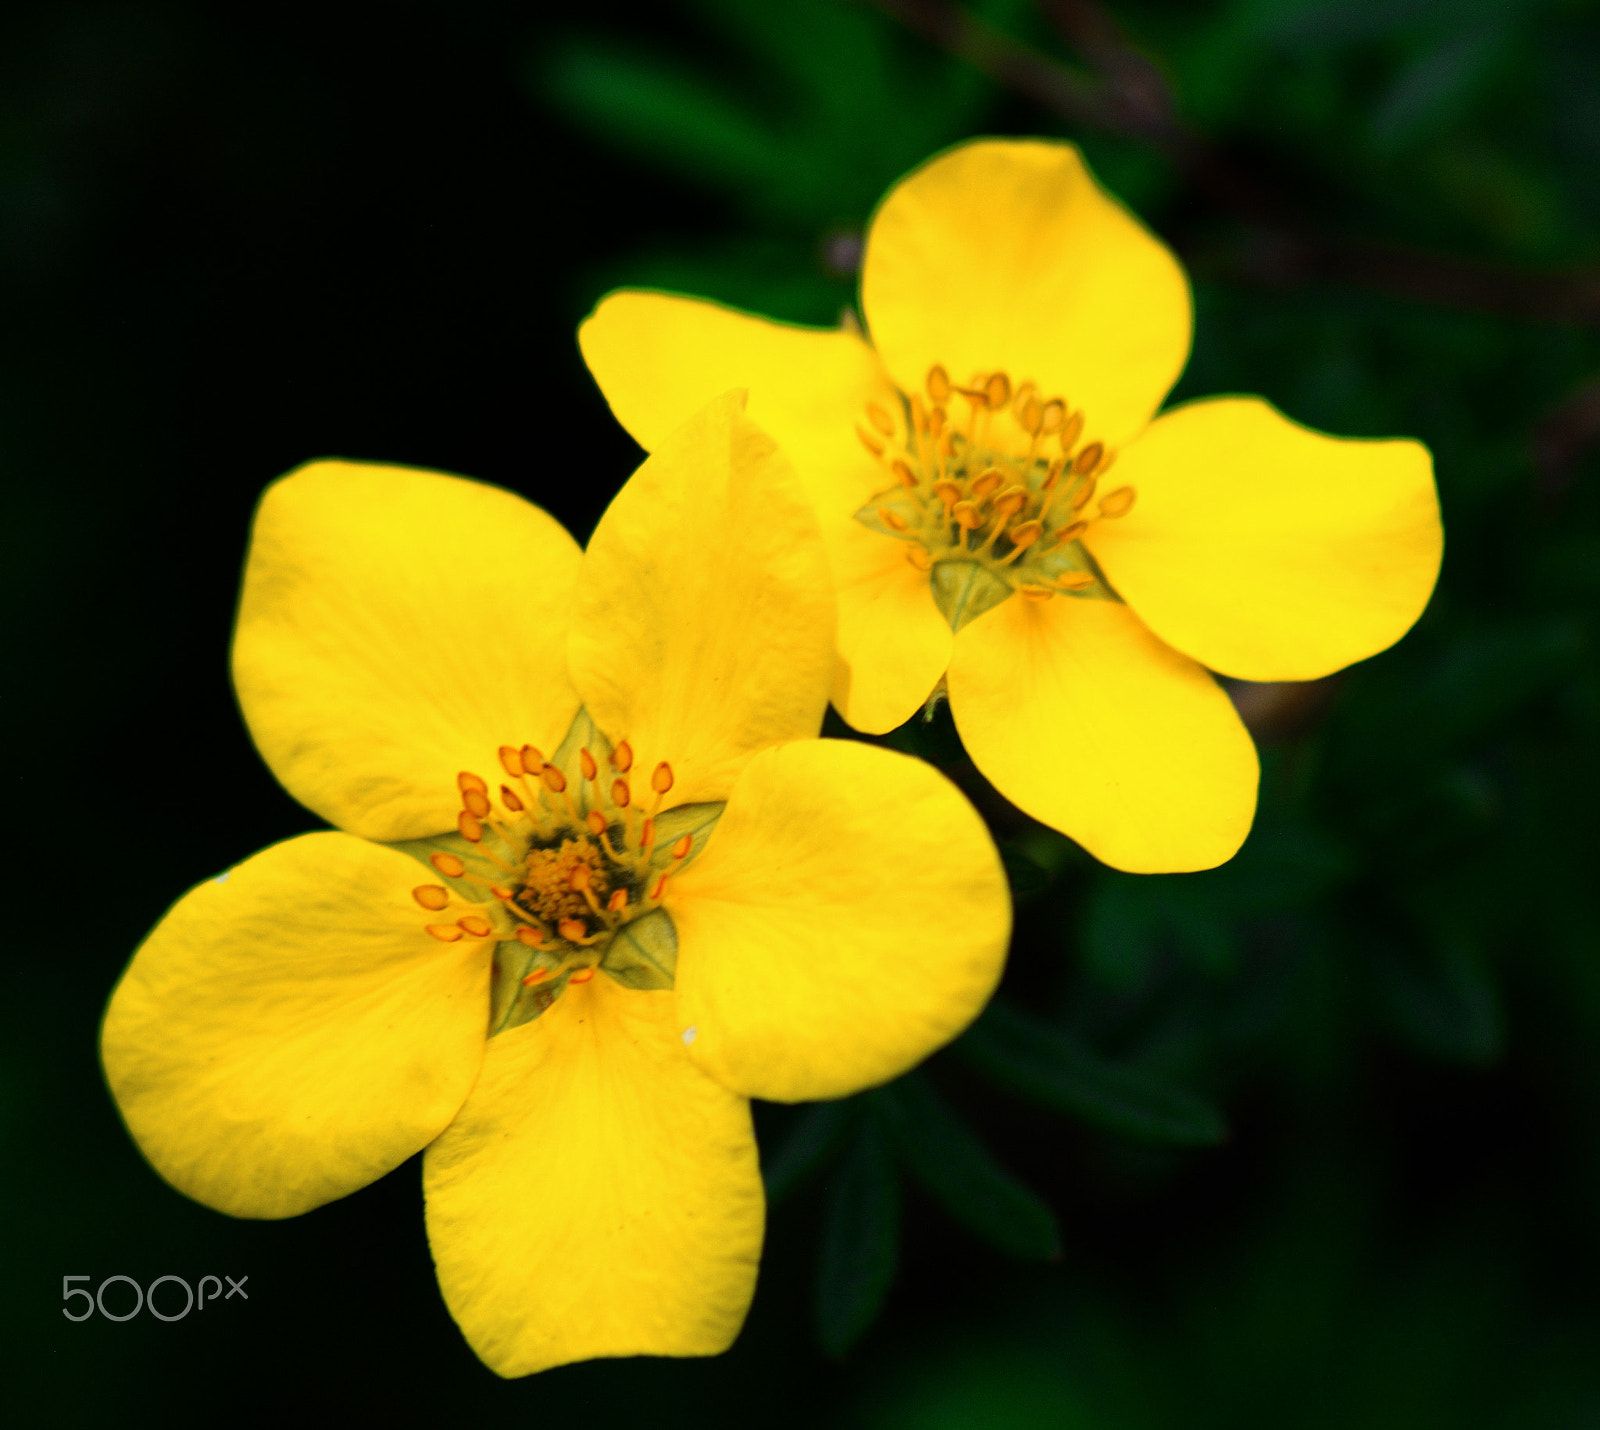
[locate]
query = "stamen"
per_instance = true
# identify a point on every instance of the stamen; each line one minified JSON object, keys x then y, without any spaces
{"x":660,"y":887}
{"x":583,"y":976}
{"x":445,"y":933}
{"x":1117,"y":503}
{"x":622,"y":757}
{"x":474,"y":926}
{"x":1030,"y":415}
{"x":477,"y":803}
{"x":510,"y":761}
{"x":1071,"y":533}
{"x":907,"y":477}
{"x":1010,"y":501}
{"x":919,"y":558}
{"x":880,"y":419}
{"x":681,"y":849}
{"x":617,"y":902}
{"x":1075,"y":580}
{"x":596,"y":822}
{"x":532,"y":760}
{"x":470,"y":829}
{"x":948,"y":493}
{"x":997,"y":392}
{"x":891,"y":519}
{"x":431,"y":896}
{"x":661,"y":778}
{"x":876,"y":448}
{"x":554,"y":780}
{"x":466,"y":780}
{"x":528,"y":935}
{"x":1053,"y":415}
{"x":967,"y":515}
{"x":1080,"y":499}
{"x":504,"y":892}
{"x":535,"y":976}
{"x":987,"y":483}
{"x":1024,"y":534}
{"x":511,"y":799}
{"x":587,"y":765}
{"x":1071,"y":432}
{"x":647,"y":837}
{"x":448,"y":865}
{"x":938,"y":384}
{"x":1088,"y":459}
{"x":620,"y":793}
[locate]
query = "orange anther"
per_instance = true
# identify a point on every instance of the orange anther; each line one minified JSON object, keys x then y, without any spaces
{"x":536,"y":975}
{"x":532,"y":937}
{"x":448,"y":865}
{"x":581,"y":877}
{"x":997,"y":392}
{"x":1071,"y":533}
{"x":905,"y":475}
{"x":583,"y":975}
{"x":1117,"y":503}
{"x":938,"y":383}
{"x":1088,"y":459}
{"x":477,"y":803}
{"x":1010,"y":501}
{"x":891,"y":519}
{"x":647,"y":832}
{"x":618,"y":901}
{"x":685,"y":843}
{"x":1025,"y":533}
{"x":573,"y":929}
{"x":660,"y":887}
{"x":1080,"y":499}
{"x":596,"y":822}
{"x":531,"y":759}
{"x":919,"y":558}
{"x":870,"y":443}
{"x":661,"y":778}
{"x":880,"y":419}
{"x":510,"y":760}
{"x":622,"y":757}
{"x":988,"y":482}
{"x":1035,"y":593}
{"x":966,"y":514}
{"x":1030,"y":415}
{"x":475,"y":926}
{"x":503,"y":891}
{"x":587,"y":765}
{"x":554,"y":780}
{"x":1075,"y":580}
{"x":511,"y":799}
{"x":467,"y":780}
{"x":445,"y":933}
{"x":431,"y":896}
{"x":620,"y":793}
{"x":1052,"y":415}
{"x":470,"y":829}
{"x":1105,"y":463}
{"x":1072,"y":431}
{"x":1052,"y":474}
{"x":947,"y":492}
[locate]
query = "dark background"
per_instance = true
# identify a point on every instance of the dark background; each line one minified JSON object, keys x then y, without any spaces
{"x":1317,"y":1135}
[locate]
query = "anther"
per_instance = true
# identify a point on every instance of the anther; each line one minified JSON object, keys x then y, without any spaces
{"x":906,"y":476}
{"x":1053,"y":415}
{"x":947,"y":492}
{"x":647,"y":832}
{"x":620,"y":793}
{"x":661,"y":778}
{"x":510,"y":761}
{"x":1030,"y":415}
{"x":880,"y":419}
{"x":1071,"y":533}
{"x":1075,"y":580}
{"x":919,"y":558}
{"x":1072,"y":431}
{"x":477,"y":803}
{"x":1025,"y":533}
{"x":445,"y":933}
{"x":596,"y":821}
{"x":966,"y":514}
{"x":587,"y":765}
{"x":938,"y":383}
{"x":1035,"y":593}
{"x":583,"y":975}
{"x":531,"y":759}
{"x":1010,"y":501}
{"x":535,"y":976}
{"x":448,"y":865}
{"x":554,"y":780}
{"x":617,"y":902}
{"x":466,"y":780}
{"x":532,"y":937}
{"x":431,"y":897}
{"x":573,"y":930}
{"x":470,"y":829}
{"x":1080,"y":499}
{"x":1117,"y":503}
{"x":622,"y":757}
{"x":474,"y":926}
{"x":988,"y":482}
{"x":660,"y":887}
{"x":871,"y":444}
{"x":580,"y":878}
{"x":1088,"y":459}
{"x":511,"y":799}
{"x":997,"y":392}
{"x":681,"y":849}
{"x":892,"y":519}
{"x":503,"y":892}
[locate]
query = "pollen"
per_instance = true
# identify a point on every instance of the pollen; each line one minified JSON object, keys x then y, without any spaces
{"x":554,"y":879}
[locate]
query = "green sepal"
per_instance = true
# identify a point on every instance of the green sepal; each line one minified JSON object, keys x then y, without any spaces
{"x":961,"y":1172}
{"x":965,"y":590}
{"x":510,"y":1004}
{"x":860,"y":1241}
{"x":643,"y":953}
{"x":582,"y":734}
{"x":1070,"y":559}
{"x":902,"y":503}
{"x":1047,"y":1065}
{"x":695,"y":820}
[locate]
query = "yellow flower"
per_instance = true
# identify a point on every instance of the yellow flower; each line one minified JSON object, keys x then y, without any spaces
{"x":690,"y":903}
{"x":997,"y":438}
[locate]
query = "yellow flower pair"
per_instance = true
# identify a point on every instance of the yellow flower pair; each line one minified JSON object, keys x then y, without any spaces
{"x":561,"y":975}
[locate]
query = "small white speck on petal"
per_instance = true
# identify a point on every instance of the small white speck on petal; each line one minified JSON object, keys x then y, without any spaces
{"x":688,"y":1035}
{"x":222,"y":878}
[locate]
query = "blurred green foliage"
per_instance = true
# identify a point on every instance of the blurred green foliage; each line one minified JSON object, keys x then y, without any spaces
{"x":1312,"y":1139}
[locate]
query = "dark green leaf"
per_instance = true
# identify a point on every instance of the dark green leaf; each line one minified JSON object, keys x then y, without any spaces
{"x":860,"y":1241}
{"x":1047,"y":1065}
{"x":814,"y":1138}
{"x":959,"y":1170}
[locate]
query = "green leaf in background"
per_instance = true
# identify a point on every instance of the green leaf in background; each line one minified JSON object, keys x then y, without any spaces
{"x":1437,"y":993}
{"x":1047,"y":1065}
{"x":813,"y":1139}
{"x":860,"y":1241}
{"x":961,"y":1172}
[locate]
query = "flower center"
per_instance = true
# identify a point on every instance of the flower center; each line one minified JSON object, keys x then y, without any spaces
{"x":993,"y":490}
{"x":564,"y":870}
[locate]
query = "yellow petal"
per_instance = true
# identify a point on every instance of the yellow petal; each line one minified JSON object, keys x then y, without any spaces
{"x":659,"y":358}
{"x":848,"y":916}
{"x":598,"y":1195}
{"x":289,"y":1033}
{"x":1266,"y":550}
{"x":1081,"y":717}
{"x":1007,"y":255}
{"x":703,"y":624}
{"x":396,"y":627}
